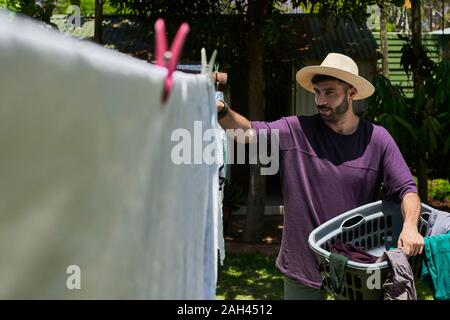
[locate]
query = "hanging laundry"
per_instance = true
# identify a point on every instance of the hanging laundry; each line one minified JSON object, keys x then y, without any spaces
{"x":338,"y":263}
{"x":221,"y":148}
{"x":438,"y":222}
{"x":92,"y":205}
{"x":436,"y":265}
{"x":399,"y":283}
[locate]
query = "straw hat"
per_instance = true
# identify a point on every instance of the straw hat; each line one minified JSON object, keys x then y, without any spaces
{"x":341,"y":67}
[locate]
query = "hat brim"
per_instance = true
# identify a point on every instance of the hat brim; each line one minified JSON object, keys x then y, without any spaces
{"x":364,"y":88}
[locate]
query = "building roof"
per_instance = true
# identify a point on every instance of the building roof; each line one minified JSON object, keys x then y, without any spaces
{"x":313,"y":39}
{"x":307,"y":35}
{"x":121,"y":33}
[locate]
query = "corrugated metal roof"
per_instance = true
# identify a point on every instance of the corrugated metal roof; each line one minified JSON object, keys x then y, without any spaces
{"x":313,"y":38}
{"x":121,"y":33}
{"x":310,"y":39}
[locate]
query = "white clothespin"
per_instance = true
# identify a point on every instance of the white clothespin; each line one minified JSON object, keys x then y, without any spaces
{"x":208,"y":67}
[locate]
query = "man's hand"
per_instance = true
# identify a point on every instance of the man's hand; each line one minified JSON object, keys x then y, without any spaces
{"x":410,"y":240}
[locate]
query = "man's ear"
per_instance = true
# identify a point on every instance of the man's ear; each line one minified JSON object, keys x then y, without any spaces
{"x":352,"y":92}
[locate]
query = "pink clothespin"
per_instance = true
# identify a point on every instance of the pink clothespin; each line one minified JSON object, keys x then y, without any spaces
{"x":168,"y":59}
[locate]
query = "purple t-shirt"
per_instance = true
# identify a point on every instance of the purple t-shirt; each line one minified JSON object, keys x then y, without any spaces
{"x":324,"y":174}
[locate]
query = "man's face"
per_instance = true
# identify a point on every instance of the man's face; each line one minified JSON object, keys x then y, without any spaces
{"x":331,"y":99}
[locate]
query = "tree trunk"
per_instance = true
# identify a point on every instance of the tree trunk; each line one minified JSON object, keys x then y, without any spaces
{"x":416,"y":23}
{"x":255,"y":206}
{"x":98,"y":21}
{"x":384,"y":41}
{"x":257,"y":13}
{"x":416,"y":29}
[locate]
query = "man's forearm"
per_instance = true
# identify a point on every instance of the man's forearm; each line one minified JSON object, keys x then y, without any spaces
{"x":233,"y":120}
{"x":410,"y":239}
{"x":410,"y":210}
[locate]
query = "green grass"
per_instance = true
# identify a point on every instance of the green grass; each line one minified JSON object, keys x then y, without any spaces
{"x":249,"y":276}
{"x":424,"y":292}
{"x":252,"y":276}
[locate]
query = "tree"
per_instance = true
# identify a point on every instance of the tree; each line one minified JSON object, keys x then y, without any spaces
{"x":98,"y":30}
{"x":421,"y":124}
{"x":416,"y":46}
{"x":39,"y":10}
{"x":258,"y":12}
{"x":384,"y":40}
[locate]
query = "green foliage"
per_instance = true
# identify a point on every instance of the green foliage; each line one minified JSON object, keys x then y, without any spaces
{"x":439,"y":189}
{"x":209,"y":28}
{"x":182,"y":9}
{"x":389,"y":108}
{"x":415,"y":59}
{"x":41,"y":11}
{"x":338,"y":9}
{"x":44,"y":12}
{"x":420,"y":125}
{"x":229,"y":35}
{"x":87,"y":7}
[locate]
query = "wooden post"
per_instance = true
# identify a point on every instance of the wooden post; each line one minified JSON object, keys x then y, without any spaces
{"x":258,"y":12}
{"x":384,"y":41}
{"x":98,"y":21}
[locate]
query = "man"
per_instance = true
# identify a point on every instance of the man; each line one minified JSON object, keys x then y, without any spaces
{"x":330,"y":163}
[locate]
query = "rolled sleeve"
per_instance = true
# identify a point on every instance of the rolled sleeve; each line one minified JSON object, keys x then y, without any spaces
{"x":272,"y":129}
{"x":397,"y":177}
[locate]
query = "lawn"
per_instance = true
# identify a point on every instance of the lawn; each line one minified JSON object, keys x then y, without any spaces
{"x":252,"y":276}
{"x":249,"y":276}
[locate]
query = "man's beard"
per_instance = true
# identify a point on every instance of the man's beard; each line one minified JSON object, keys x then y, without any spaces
{"x":333,"y":115}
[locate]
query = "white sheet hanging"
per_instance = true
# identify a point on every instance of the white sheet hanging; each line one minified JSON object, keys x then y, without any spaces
{"x":86,"y":176}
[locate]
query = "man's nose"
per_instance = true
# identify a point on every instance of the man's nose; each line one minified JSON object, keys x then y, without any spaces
{"x":320,"y":99}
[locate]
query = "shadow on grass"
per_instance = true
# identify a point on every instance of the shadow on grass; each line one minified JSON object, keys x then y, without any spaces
{"x":249,"y":276}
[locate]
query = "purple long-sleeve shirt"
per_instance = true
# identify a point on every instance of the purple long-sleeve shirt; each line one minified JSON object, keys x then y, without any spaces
{"x":324,"y":174}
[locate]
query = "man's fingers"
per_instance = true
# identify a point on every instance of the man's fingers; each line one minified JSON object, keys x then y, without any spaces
{"x":409,"y":249}
{"x":400,"y":243}
{"x":411,"y":244}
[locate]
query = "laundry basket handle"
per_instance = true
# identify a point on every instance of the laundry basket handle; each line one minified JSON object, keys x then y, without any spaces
{"x":352,"y":221}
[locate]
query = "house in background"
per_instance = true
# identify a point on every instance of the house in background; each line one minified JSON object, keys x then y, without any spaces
{"x":397,"y":75}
